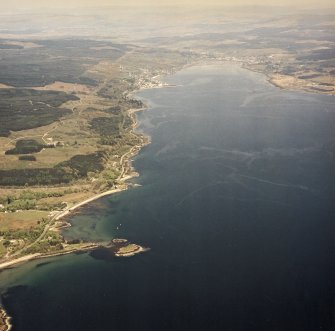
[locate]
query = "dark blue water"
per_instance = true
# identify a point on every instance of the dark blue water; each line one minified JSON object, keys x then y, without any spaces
{"x":237,"y":204}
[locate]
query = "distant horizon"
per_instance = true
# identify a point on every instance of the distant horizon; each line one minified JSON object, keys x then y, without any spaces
{"x":39,"y":5}
{"x":85,"y":9}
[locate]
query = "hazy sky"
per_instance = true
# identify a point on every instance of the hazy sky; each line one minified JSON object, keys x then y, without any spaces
{"x":33,"y":4}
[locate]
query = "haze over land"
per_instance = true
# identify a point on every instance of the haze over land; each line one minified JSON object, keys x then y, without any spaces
{"x":191,"y":3}
{"x":69,"y":71}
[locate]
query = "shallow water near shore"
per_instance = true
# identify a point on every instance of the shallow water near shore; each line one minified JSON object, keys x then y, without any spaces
{"x":236,"y":203}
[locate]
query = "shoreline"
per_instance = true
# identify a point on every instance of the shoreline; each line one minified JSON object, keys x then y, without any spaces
{"x":130,"y":253}
{"x":5,"y":320}
{"x":127,"y":171}
{"x":88,"y":200}
{"x":304,"y":86}
{"x":126,"y":174}
{"x":36,"y":256}
{"x":296,"y":85}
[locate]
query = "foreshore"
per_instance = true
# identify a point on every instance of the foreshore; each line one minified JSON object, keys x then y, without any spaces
{"x":14,"y":262}
{"x":82,"y":203}
{"x":5,"y":320}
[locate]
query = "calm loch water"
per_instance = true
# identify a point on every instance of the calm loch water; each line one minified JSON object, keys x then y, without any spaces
{"x":237,"y":204}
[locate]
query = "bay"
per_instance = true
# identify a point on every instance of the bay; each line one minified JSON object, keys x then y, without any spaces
{"x":236,"y":202}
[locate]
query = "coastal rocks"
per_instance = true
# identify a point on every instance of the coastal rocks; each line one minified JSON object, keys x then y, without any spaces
{"x":122,"y":247}
{"x":117,"y":248}
{"x":4,"y":321}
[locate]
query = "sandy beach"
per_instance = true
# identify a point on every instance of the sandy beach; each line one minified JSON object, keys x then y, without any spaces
{"x":18,"y":260}
{"x":82,"y":203}
{"x":13,"y":262}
